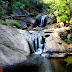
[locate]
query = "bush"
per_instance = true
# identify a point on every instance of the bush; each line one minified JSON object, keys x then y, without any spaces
{"x":67,"y":41}
{"x":6,"y":23}
{"x":15,"y":24}
{"x":21,"y":7}
{"x":18,"y":3}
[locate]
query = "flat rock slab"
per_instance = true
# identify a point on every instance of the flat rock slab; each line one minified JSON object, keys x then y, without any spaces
{"x":15,"y":37}
{"x":55,"y":43}
{"x":9,"y":57}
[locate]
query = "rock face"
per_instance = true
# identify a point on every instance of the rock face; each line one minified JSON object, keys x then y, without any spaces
{"x":55,"y":43}
{"x":14,"y":37}
{"x":13,"y":45}
{"x":8,"y":56}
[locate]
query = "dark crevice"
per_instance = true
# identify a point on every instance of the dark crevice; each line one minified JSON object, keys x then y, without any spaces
{"x":24,"y":28}
{"x":31,"y":51}
{"x":59,"y":43}
{"x":47,"y":36}
{"x":48,"y":32}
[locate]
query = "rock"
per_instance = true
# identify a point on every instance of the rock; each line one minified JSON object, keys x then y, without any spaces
{"x":53,"y":55}
{"x":60,"y":24}
{"x":54,"y":45}
{"x":14,"y":37}
{"x":9,"y":56}
{"x":51,"y":18}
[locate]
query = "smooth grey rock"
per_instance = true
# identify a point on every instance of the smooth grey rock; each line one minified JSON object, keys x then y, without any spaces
{"x":9,"y":56}
{"x":14,"y":37}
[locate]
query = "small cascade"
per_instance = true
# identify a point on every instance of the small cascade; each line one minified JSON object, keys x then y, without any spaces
{"x":42,"y":20}
{"x":38,"y":44}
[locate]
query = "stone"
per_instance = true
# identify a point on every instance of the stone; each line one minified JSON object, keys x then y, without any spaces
{"x":9,"y":56}
{"x":15,"y":37}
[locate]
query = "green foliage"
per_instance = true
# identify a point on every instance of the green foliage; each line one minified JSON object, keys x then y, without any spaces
{"x":27,"y":2}
{"x":68,"y":60}
{"x":0,"y":22}
{"x":9,"y":7}
{"x":18,"y":3}
{"x":61,"y":9}
{"x":9,"y":45}
{"x":15,"y":24}
{"x":21,"y":7}
{"x":69,"y":36}
{"x":1,"y":4}
{"x":31,"y":13}
{"x":6,"y":23}
{"x":68,"y":40}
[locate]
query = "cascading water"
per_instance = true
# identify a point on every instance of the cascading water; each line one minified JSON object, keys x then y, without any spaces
{"x":38,"y":43}
{"x":42,"y":20}
{"x":39,"y":50}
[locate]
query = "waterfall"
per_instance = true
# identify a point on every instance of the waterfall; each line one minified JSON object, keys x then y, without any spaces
{"x":39,"y":49}
{"x":38,"y":42}
{"x":42,"y":20}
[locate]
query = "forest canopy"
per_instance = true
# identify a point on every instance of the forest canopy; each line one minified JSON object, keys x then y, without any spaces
{"x":62,"y":9}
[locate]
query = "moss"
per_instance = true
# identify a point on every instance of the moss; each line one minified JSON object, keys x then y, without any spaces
{"x":15,"y":24}
{"x":0,"y":22}
{"x":68,"y":60}
{"x":6,"y":23}
{"x":7,"y":45}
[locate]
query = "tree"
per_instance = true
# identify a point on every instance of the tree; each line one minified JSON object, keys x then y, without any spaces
{"x":62,"y":10}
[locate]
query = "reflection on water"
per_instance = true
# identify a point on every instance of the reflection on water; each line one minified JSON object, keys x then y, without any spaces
{"x":37,"y":63}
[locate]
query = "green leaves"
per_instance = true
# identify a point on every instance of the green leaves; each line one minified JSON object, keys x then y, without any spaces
{"x":18,"y":3}
{"x":6,"y":23}
{"x":68,"y":60}
{"x":61,"y":9}
{"x":68,"y":40}
{"x":15,"y":24}
{"x":21,"y":7}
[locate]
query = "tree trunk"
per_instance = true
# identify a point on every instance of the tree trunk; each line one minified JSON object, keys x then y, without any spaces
{"x":69,"y":18}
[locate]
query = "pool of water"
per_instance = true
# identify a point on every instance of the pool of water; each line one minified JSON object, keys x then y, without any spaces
{"x":36,"y":63}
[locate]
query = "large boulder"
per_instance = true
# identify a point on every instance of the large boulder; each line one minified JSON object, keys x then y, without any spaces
{"x":9,"y":56}
{"x":51,"y":18}
{"x":15,"y":38}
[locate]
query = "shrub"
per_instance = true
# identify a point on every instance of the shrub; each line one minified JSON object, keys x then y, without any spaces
{"x":15,"y":24}
{"x":18,"y":3}
{"x":67,"y":41}
{"x":21,"y":7}
{"x":6,"y":23}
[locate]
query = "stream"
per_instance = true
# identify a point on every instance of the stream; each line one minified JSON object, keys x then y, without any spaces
{"x":36,"y":63}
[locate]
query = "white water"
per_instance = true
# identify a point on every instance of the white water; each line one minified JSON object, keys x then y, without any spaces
{"x":39,"y":50}
{"x":42,"y":19}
